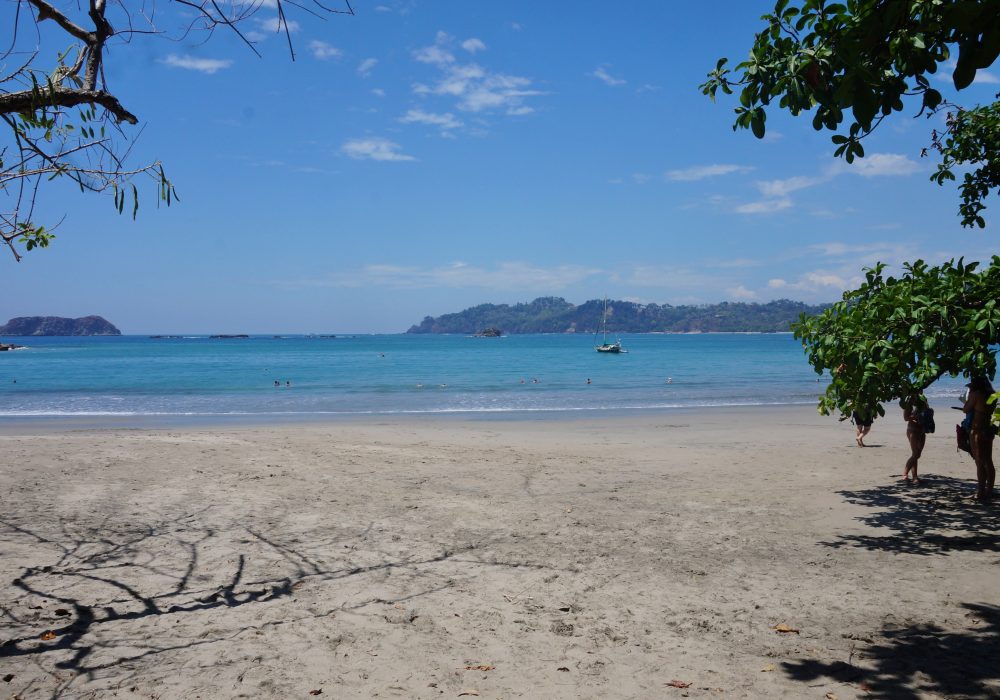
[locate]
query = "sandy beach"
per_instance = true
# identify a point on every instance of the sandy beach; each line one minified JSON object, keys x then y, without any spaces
{"x":715,"y":553}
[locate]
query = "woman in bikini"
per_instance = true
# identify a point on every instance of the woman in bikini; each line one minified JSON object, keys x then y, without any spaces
{"x":981,"y":434}
{"x":915,"y":435}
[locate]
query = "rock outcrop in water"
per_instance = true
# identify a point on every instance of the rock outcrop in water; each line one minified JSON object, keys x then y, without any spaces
{"x":56,"y":325}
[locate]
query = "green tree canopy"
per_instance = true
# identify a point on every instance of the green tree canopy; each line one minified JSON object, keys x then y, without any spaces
{"x":853,"y":64}
{"x":894,"y":336}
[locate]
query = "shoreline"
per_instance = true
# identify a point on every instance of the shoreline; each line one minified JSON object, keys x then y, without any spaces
{"x":13,"y":425}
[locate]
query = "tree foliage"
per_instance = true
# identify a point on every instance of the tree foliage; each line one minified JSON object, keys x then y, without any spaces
{"x":556,"y":315}
{"x":894,"y":336}
{"x":855,"y":63}
{"x":63,"y":121}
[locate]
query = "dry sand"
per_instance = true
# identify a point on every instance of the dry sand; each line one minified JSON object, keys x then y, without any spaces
{"x":457,"y":558}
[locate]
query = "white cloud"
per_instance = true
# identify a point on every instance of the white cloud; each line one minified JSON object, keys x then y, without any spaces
{"x":982,"y":77}
{"x":606,"y":78}
{"x":366,"y":66}
{"x":506,"y":276}
{"x":323,"y":50}
{"x":815,"y":281}
{"x":741,"y":292}
{"x":378,"y":92}
{"x":374,"y":148}
{"x":520,"y":111}
{"x":473,"y":45}
{"x":700,"y":172}
{"x":202,"y":65}
{"x":474,"y":88}
{"x":858,"y":255}
{"x":444,"y":121}
{"x":877,"y":165}
{"x":437,"y":54}
{"x":814,"y":285}
{"x":778,"y":189}
{"x":776,"y":192}
{"x":640,"y":178}
{"x":766,"y":206}
{"x":734,"y":263}
{"x":277,"y":24}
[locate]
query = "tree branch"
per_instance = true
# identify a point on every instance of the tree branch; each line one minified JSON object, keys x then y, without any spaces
{"x":27,"y":101}
{"x":46,"y":11}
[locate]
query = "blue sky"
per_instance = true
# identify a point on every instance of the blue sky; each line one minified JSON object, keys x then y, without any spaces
{"x":425,"y":156}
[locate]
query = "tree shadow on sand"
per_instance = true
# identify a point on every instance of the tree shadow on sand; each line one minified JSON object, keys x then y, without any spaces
{"x":934,"y":518}
{"x":911,"y":662}
{"x":85,"y":612}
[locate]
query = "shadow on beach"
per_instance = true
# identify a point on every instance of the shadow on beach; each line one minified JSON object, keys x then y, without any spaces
{"x":934,"y":518}
{"x":113,"y":596}
{"x":909,"y":662}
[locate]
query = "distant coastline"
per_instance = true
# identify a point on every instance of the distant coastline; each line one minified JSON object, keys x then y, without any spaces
{"x":556,"y":315}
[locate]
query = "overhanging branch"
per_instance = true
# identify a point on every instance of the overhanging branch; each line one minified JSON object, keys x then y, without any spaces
{"x":28,"y":101}
{"x":46,"y":11}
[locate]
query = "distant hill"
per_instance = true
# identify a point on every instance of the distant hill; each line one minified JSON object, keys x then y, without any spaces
{"x":556,"y":315}
{"x":55,"y":325}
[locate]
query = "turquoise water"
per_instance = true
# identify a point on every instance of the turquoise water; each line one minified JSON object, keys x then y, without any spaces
{"x":399,"y":374}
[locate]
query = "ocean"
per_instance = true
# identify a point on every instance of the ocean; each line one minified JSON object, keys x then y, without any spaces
{"x":197,"y":376}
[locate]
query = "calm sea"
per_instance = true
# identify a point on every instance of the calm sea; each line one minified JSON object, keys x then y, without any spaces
{"x":400,"y":374}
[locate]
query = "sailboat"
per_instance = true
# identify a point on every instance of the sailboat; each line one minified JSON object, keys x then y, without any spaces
{"x":615,"y":347}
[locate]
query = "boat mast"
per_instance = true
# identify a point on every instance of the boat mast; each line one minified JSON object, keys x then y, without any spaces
{"x":604,"y":320}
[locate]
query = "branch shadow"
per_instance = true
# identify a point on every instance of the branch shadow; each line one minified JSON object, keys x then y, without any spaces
{"x":934,"y":518}
{"x":911,"y":662}
{"x":81,"y":611}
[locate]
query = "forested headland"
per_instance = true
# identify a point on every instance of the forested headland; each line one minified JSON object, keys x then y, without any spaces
{"x":556,"y":315}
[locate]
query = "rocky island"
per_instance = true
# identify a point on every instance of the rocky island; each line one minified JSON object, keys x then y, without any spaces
{"x":56,"y":325}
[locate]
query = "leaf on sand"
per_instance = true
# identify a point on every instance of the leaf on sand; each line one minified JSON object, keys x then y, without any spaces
{"x":563,"y":669}
{"x":782,"y":627}
{"x":47,"y":636}
{"x":480,"y":667}
{"x":767,"y":669}
{"x":318,"y":691}
{"x":469,"y":692}
{"x":679,"y":684}
{"x":830,"y":696}
{"x":8,"y":678}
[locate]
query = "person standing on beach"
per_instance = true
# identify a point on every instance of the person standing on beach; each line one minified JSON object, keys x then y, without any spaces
{"x":915,"y":435}
{"x":981,"y":434}
{"x":863,"y":424}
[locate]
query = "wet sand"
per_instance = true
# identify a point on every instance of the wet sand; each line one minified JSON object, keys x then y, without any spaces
{"x":747,"y":552}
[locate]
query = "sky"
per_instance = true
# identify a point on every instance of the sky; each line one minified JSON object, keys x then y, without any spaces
{"x":424,"y":156}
